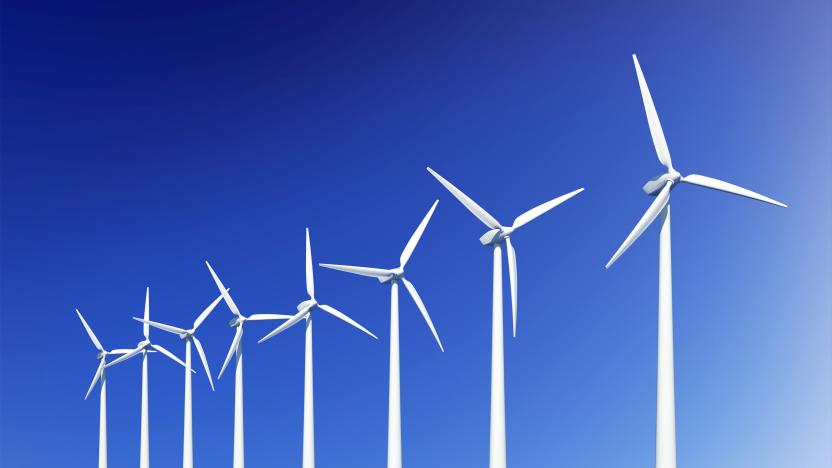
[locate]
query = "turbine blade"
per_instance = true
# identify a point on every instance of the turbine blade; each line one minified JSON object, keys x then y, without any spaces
{"x":119,"y":351}
{"x":343,"y":316}
{"x":418,"y":300}
{"x":533,"y":213}
{"x":655,"y":208}
{"x":414,"y":239}
{"x":269,"y":317}
{"x":95,"y":378}
{"x":310,"y":278}
{"x":234,"y":343}
{"x":295,"y":318}
{"x":125,"y":357}
{"x":224,"y":292}
{"x":358,"y":270}
{"x":171,"y":356}
{"x":512,"y":276}
{"x":95,"y":341}
{"x":716,"y":184}
{"x":472,"y":206}
{"x":145,"y":326}
{"x":656,"y":132}
{"x":202,"y":358}
{"x":207,"y":311}
{"x":162,"y":326}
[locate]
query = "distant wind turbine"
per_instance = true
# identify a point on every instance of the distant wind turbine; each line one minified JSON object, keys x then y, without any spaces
{"x":189,"y":336}
{"x":144,"y":347}
{"x":393,"y":276}
{"x":660,"y":187}
{"x":496,"y":236}
{"x":305,"y":310}
{"x":100,"y":374}
{"x":237,"y":348}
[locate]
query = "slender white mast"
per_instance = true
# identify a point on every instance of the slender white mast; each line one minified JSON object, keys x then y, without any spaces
{"x":144,"y":454}
{"x":102,"y":423}
{"x":188,"y":434}
{"x":308,"y":401}
{"x":394,"y":409}
{"x":497,"y":454}
{"x":239,"y":449}
{"x":665,"y":394}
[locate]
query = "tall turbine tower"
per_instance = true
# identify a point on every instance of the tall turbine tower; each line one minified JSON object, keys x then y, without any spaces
{"x":392,"y":277}
{"x":100,"y":375}
{"x":237,"y":348}
{"x":189,"y":337}
{"x":496,"y":236}
{"x":660,"y":187}
{"x":305,"y":310}
{"x":144,"y":347}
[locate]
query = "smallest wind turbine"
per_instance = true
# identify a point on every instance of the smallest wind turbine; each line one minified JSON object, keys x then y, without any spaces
{"x":392,"y":277}
{"x":189,"y":337}
{"x":100,"y":375}
{"x":144,"y":347}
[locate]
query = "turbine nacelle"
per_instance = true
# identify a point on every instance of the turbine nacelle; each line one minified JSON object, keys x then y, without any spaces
{"x":495,"y":236}
{"x":235,"y":322}
{"x":656,"y":184}
{"x":395,"y":274}
{"x":307,"y":303}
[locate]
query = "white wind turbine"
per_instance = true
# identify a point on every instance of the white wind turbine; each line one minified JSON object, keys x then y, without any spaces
{"x":393,"y":276}
{"x":189,"y":337}
{"x":144,"y":347}
{"x":100,"y":374}
{"x":305,"y":310}
{"x":496,"y":236}
{"x":237,"y":348}
{"x":660,"y":187}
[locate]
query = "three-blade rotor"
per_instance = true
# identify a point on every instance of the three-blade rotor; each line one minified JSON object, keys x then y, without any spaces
{"x":499,"y":233}
{"x":145,"y":345}
{"x":306,"y":307}
{"x":660,"y":186}
{"x":392,"y":275}
{"x":190,"y":334}
{"x":102,"y":354}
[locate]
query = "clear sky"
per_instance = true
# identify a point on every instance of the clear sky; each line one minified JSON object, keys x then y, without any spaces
{"x":141,"y":139}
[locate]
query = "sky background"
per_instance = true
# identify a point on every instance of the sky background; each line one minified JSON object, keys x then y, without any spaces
{"x":140,"y":140}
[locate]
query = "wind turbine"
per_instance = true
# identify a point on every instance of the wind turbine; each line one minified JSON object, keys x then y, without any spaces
{"x":144,"y":347}
{"x":188,"y":336}
{"x":392,"y":277}
{"x":496,"y":236}
{"x":100,"y":374}
{"x":237,"y":348}
{"x":660,"y":187}
{"x":305,"y":310}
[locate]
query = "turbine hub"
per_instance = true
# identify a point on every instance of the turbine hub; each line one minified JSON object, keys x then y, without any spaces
{"x":236,"y":321}
{"x":306,"y":303}
{"x":656,"y":184}
{"x":496,"y":236}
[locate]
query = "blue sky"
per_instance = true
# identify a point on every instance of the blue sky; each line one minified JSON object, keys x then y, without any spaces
{"x":140,"y":141}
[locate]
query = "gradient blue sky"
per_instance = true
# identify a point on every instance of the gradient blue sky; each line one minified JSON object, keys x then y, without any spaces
{"x":140,"y":140}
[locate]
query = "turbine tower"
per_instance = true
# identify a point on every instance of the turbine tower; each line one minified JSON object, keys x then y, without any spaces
{"x":100,"y":375}
{"x":305,"y":310}
{"x":660,"y":187}
{"x":237,"y":348}
{"x":496,"y":237}
{"x":189,"y":337}
{"x":392,"y":277}
{"x":144,"y":347}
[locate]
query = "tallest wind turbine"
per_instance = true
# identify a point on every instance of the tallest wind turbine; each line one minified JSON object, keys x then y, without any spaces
{"x":496,"y":236}
{"x":660,"y":187}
